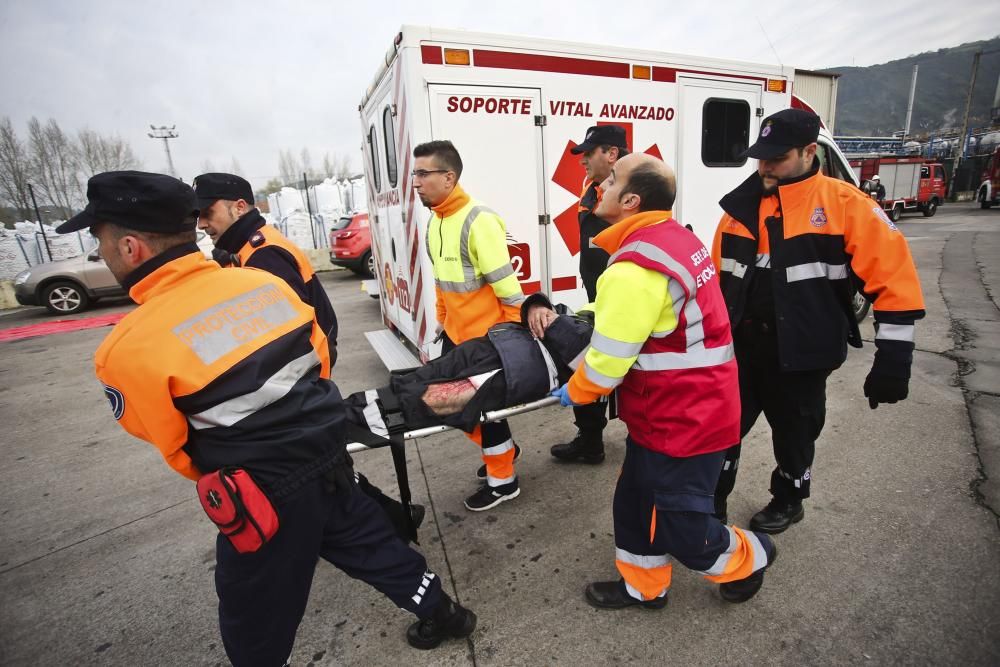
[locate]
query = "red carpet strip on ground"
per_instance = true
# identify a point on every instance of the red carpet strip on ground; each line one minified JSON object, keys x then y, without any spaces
{"x":59,"y":326}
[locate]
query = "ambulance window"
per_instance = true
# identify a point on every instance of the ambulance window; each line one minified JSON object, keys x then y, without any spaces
{"x":939,"y":172}
{"x":725,"y":132}
{"x":925,"y":171}
{"x":389,"y":135}
{"x":373,"y":152}
{"x":831,"y":165}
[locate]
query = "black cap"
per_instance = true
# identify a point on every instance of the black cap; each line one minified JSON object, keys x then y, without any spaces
{"x":601,"y":135}
{"x":214,"y":186}
{"x":783,"y":131}
{"x":136,"y":200}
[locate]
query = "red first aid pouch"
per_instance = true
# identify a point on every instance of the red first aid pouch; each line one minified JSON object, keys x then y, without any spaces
{"x":234,"y":503}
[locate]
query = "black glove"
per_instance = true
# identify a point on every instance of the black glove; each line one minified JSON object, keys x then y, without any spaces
{"x":225,"y":258}
{"x":889,"y":379}
{"x":885,"y":388}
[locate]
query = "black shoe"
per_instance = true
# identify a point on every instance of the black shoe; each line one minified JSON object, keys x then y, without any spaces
{"x":582,"y":448}
{"x":481,"y":473}
{"x":612,"y":595}
{"x":777,"y":516}
{"x":449,"y":620}
{"x":742,"y":590}
{"x":488,"y":497}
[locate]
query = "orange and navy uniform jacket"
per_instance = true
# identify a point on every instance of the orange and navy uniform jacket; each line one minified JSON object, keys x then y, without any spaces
{"x":223,"y":367}
{"x":475,"y":284}
{"x":803,"y":246}
{"x":593,"y":258}
{"x":662,"y":340}
{"x":258,"y":245}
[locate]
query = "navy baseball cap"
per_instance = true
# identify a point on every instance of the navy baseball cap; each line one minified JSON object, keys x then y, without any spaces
{"x":136,"y":200}
{"x":783,"y":131}
{"x":214,"y":186}
{"x":601,"y":135}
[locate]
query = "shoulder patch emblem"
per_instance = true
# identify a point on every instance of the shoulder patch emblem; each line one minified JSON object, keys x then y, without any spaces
{"x":116,"y":399}
{"x":818,"y":218}
{"x":257,"y":240}
{"x":877,"y":210}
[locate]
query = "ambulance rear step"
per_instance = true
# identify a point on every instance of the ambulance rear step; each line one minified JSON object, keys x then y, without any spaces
{"x":391,"y":351}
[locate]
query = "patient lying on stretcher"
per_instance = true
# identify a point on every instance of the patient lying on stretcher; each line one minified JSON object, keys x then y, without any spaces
{"x":508,"y":366}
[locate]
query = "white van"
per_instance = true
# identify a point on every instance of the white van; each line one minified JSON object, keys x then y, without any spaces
{"x":514,"y":107}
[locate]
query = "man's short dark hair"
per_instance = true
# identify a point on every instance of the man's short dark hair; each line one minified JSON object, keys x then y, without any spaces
{"x":656,"y":192}
{"x":157,"y":242}
{"x":444,"y":153}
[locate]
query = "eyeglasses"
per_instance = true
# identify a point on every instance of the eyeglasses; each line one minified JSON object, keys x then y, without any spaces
{"x":424,"y":173}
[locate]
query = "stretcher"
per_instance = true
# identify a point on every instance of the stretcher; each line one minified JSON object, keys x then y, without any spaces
{"x":494,"y":416}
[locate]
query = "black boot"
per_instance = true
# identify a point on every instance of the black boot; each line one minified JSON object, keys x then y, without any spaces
{"x":585,"y":448}
{"x":742,"y":590}
{"x":448,"y":620}
{"x":612,"y":595}
{"x":777,"y":516}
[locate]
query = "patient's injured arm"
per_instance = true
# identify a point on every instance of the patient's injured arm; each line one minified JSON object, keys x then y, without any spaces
{"x":448,"y":398}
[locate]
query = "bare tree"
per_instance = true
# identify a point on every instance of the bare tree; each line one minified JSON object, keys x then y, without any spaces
{"x":343,"y":167}
{"x":307,"y":164}
{"x":207,"y":167}
{"x":14,"y":169}
{"x":98,"y":153}
{"x":288,"y":168}
{"x":54,"y":164}
{"x":235,"y":168}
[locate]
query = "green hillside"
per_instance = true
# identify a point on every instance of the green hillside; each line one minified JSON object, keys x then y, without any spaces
{"x":871,"y":101}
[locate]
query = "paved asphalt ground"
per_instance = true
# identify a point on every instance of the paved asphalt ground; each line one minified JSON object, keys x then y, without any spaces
{"x":107,"y":559}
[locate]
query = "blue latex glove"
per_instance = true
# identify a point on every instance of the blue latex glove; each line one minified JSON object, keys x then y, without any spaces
{"x":562,"y":393}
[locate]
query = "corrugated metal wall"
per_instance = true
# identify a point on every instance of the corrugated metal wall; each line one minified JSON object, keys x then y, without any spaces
{"x":820,"y":92}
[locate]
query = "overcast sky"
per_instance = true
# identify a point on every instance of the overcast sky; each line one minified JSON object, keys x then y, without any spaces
{"x":246,"y":79}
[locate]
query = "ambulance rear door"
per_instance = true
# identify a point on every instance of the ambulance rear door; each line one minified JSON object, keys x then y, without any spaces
{"x":496,"y":132}
{"x":719,"y":119}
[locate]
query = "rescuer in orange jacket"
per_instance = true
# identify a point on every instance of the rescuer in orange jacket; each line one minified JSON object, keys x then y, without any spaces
{"x":242,"y":238}
{"x":788,"y":247}
{"x":661,"y":340}
{"x":476,"y":288}
{"x":229,"y":369}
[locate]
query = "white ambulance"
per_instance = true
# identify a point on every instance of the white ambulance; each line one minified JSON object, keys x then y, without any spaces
{"x":514,"y":107}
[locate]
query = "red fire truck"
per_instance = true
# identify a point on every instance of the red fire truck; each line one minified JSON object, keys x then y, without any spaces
{"x":911,"y":183}
{"x":989,"y":192}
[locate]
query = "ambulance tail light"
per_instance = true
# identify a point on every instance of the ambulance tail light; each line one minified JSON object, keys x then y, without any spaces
{"x":776,"y":85}
{"x":457,"y":57}
{"x":642,"y":72}
{"x":345,"y":235}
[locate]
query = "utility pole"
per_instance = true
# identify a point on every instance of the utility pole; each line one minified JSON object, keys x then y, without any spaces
{"x":909,"y":107}
{"x":962,"y":139}
{"x":165,"y":133}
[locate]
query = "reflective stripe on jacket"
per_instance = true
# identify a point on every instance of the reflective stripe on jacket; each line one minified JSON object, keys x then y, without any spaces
{"x":662,"y":339}
{"x":475,"y":282}
{"x":223,"y":368}
{"x":826,"y":233}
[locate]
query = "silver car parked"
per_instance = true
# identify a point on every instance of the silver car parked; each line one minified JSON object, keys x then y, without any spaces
{"x":72,"y":285}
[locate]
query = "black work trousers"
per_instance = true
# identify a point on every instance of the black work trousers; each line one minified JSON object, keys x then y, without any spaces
{"x":794,"y":404}
{"x":591,"y":418}
{"x":262,"y":595}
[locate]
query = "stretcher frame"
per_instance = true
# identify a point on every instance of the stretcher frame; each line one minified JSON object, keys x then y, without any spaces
{"x":495,"y":415}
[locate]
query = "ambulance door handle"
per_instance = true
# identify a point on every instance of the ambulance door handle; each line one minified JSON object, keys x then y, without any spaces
{"x":393,"y":245}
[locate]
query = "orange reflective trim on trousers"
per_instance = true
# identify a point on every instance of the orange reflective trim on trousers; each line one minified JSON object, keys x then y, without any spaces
{"x":652,"y":526}
{"x":500,"y":466}
{"x":650,"y":582}
{"x":740,"y":565}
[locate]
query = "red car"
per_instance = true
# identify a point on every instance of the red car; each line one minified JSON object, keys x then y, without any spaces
{"x":351,"y":245}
